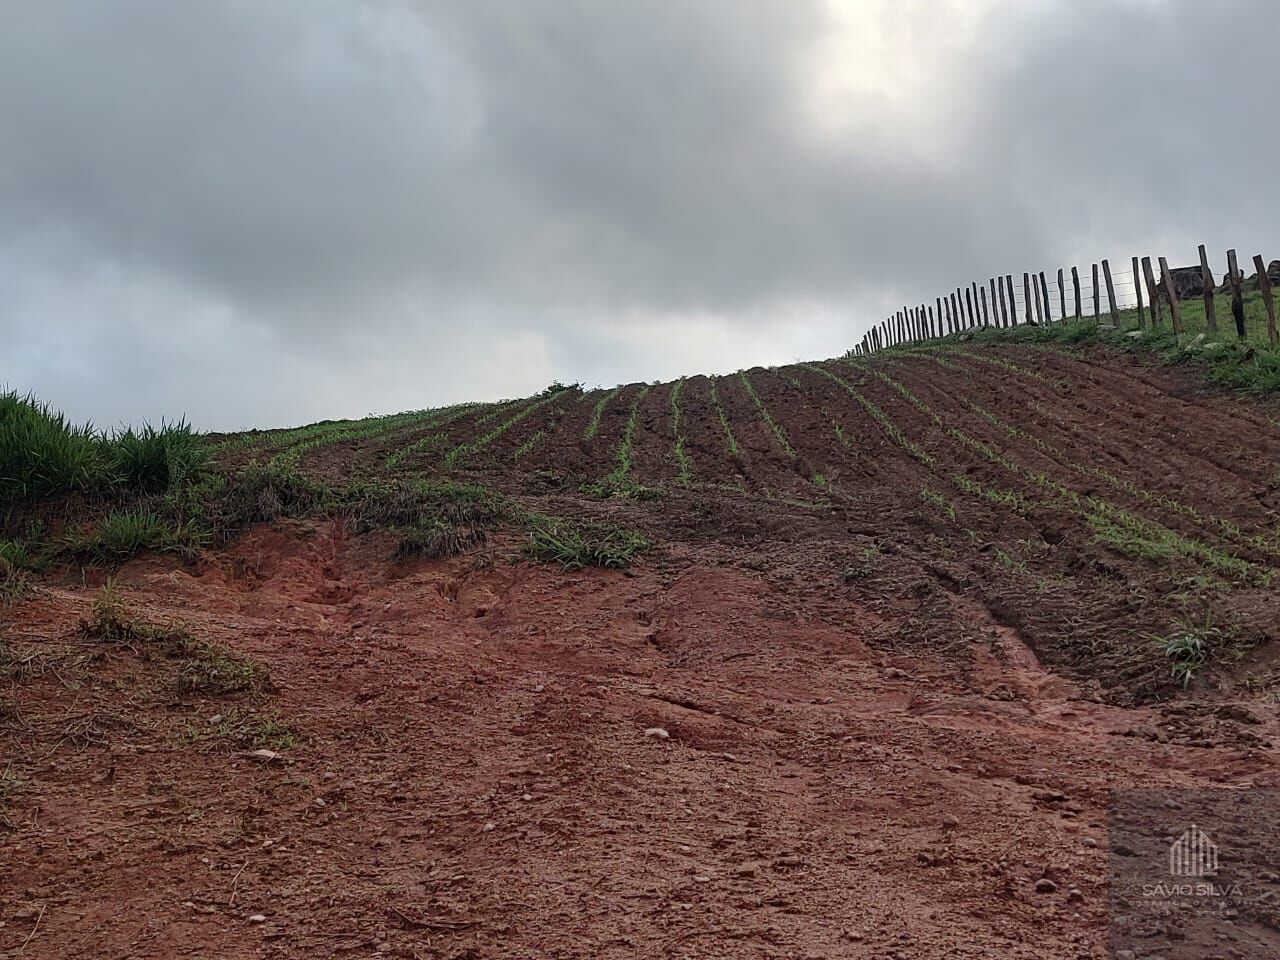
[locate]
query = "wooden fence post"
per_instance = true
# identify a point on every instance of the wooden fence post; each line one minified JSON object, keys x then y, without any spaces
{"x":942,"y":329}
{"x":1044,"y":290}
{"x":1097,"y":298}
{"x":957,"y":311}
{"x":1002,"y":313}
{"x":1137,"y":289}
{"x":1013,"y":302}
{"x":1175,"y":308}
{"x":1111,"y":294}
{"x":1268,"y":299}
{"x":1026,"y":295}
{"x":1206,"y":279}
{"x":1153,"y":292}
{"x":968,"y":300}
{"x":977,"y":312}
{"x":1062,"y":296}
{"x":1075,"y":290}
{"x":995,"y":316}
{"x":986,"y":317}
{"x":1035,"y":295}
{"x":1237,"y":296}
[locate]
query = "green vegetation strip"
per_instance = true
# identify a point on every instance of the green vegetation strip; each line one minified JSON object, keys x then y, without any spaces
{"x":530,"y":407}
{"x":434,"y":439}
{"x":327,"y":434}
{"x":622,"y":472}
{"x":1208,"y":521}
{"x":1126,"y":532}
{"x":42,"y":455}
{"x":593,"y":426}
{"x":713,"y":394}
{"x":684,"y":465}
{"x":765,"y":415}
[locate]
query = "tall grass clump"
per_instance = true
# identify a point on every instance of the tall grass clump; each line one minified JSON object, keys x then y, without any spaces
{"x":152,"y":461}
{"x":42,"y":454}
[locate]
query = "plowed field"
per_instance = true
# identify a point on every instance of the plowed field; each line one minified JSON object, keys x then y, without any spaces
{"x":902,"y":625}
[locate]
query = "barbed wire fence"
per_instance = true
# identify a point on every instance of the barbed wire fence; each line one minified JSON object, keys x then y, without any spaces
{"x":1145,"y":291}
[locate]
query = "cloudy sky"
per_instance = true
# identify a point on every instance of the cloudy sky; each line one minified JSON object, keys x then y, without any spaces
{"x":261,"y":213}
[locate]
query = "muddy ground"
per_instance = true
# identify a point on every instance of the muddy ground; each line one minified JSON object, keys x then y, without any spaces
{"x":867,"y":695}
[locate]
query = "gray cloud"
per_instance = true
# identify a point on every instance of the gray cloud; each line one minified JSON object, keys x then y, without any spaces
{"x":261,"y":213}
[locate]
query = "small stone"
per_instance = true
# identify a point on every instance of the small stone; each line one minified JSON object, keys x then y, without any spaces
{"x":487,"y":828}
{"x":257,"y":918}
{"x":1045,"y":885}
{"x":658,"y":733}
{"x":215,"y":719}
{"x":538,"y":688}
{"x":950,"y":821}
{"x":1089,"y":842}
{"x":1075,"y":895}
{"x":701,"y":878}
{"x":526,"y":797}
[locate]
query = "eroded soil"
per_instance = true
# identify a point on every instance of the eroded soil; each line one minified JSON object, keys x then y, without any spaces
{"x":887,"y":723}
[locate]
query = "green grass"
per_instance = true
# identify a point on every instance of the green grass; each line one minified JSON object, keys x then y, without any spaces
{"x":1249,"y":365}
{"x":778,"y":433}
{"x":1187,"y":651}
{"x":318,"y":436}
{"x":43,"y":455}
{"x":204,"y":667}
{"x":938,"y":501}
{"x":464,"y":450}
{"x":14,"y":583}
{"x":885,"y":422}
{"x":152,"y":461}
{"x":684,"y":464}
{"x":574,"y":547}
{"x":593,"y":426}
{"x":619,"y":481}
{"x":438,"y":539}
{"x":126,"y":532}
{"x":713,"y":394}
{"x":436,"y":438}
{"x":245,"y":730}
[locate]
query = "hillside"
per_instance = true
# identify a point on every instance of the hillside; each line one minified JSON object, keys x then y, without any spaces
{"x":664,"y":669}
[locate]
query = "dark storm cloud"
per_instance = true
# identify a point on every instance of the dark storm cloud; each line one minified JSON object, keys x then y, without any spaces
{"x":267,"y":212}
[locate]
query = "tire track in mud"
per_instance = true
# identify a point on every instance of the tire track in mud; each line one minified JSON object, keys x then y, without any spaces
{"x":1056,"y":623}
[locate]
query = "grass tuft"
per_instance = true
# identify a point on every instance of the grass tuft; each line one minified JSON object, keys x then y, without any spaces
{"x":205,"y":667}
{"x":574,"y":547}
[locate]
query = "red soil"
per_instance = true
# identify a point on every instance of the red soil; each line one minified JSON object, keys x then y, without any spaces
{"x":880,"y":736}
